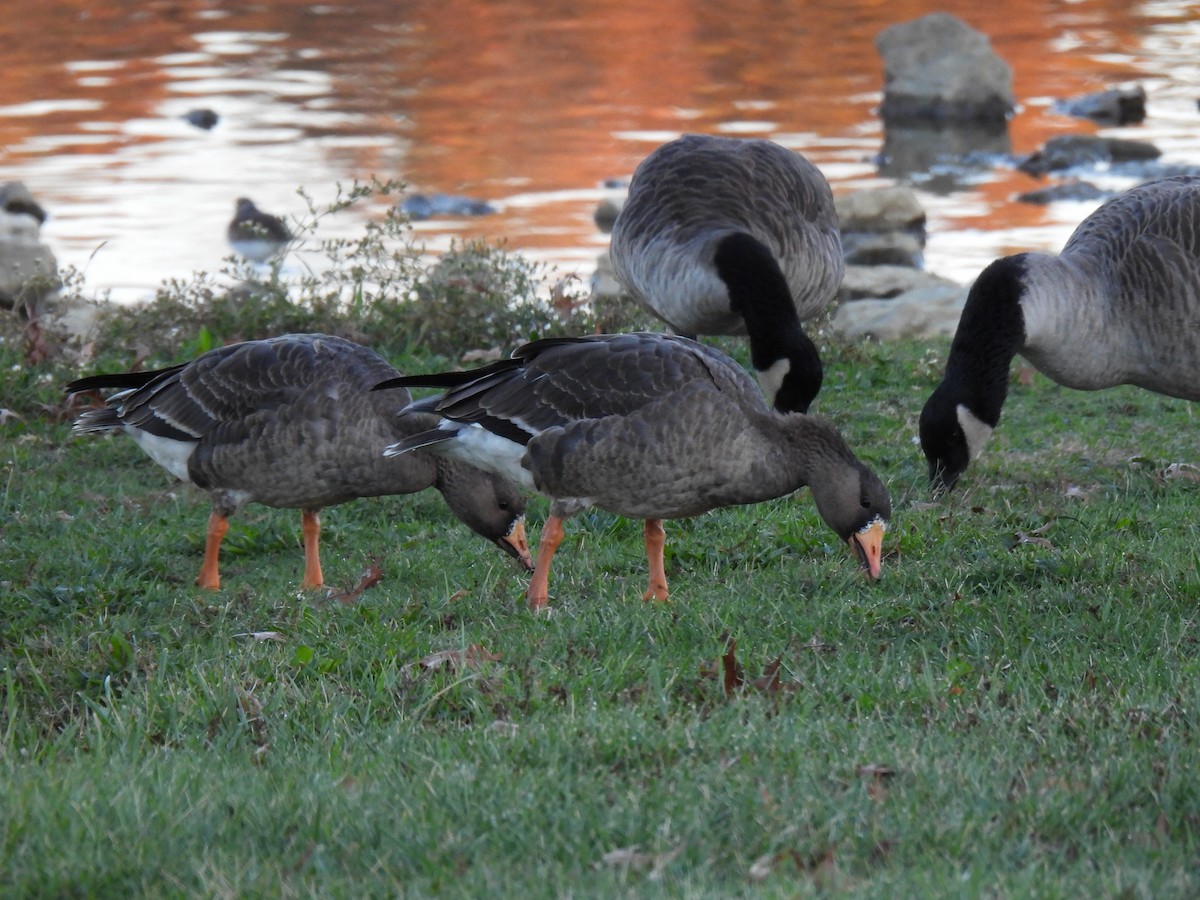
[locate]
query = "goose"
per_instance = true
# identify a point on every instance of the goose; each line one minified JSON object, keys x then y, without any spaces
{"x":290,"y":422}
{"x":643,"y":425}
{"x":255,"y":234}
{"x":735,"y":236}
{"x":1119,"y":305}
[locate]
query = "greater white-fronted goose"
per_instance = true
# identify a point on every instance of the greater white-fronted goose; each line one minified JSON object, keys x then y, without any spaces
{"x":648,"y":426}
{"x":291,"y":422}
{"x":735,"y":236}
{"x":255,"y":234}
{"x":1119,"y":305}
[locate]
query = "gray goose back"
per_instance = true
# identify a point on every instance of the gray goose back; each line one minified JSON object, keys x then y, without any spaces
{"x":289,"y":422}
{"x":647,"y":426}
{"x":1119,"y":305}
{"x":690,"y":193}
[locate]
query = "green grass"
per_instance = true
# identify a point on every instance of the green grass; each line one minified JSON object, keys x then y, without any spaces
{"x":995,"y":717}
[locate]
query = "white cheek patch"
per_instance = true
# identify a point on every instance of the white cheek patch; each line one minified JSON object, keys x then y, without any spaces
{"x":771,"y":378}
{"x":976,"y":431}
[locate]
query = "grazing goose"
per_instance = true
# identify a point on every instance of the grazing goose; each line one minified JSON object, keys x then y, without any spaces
{"x":1119,"y":305}
{"x":255,"y":234}
{"x":733,"y":236}
{"x":290,"y":422}
{"x":648,"y":426}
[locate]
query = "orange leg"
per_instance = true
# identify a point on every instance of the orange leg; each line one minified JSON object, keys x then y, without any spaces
{"x":210,"y":575}
{"x":310,"y":525}
{"x":539,"y":583}
{"x":656,"y":539}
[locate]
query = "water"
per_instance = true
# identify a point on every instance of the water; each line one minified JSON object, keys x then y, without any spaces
{"x":529,"y":105}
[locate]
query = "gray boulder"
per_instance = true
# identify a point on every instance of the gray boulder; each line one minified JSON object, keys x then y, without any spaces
{"x":882,"y":226}
{"x":939,"y":69}
{"x":28,"y":269}
{"x":924,"y":311}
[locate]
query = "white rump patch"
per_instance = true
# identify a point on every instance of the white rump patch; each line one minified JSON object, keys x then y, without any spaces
{"x":476,"y":445}
{"x":976,"y":431}
{"x":772,"y":377}
{"x":171,"y":454}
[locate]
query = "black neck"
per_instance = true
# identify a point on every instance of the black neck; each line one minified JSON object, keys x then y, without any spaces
{"x":990,"y":333}
{"x":759,"y":293}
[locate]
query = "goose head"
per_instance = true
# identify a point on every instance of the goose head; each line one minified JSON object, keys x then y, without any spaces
{"x":855,"y":504}
{"x":488,"y":504}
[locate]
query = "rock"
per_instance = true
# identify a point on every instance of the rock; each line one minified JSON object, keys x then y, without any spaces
{"x":882,"y":226}
{"x":424,"y":206}
{"x":16,"y":200}
{"x":1079,"y":191}
{"x":604,"y":279}
{"x":1078,"y":150}
{"x":202,"y":118}
{"x":939,"y":69}
{"x":606,"y":213}
{"x":895,"y":248}
{"x":877,"y":210}
{"x":1118,"y":106}
{"x":882,"y":282}
{"x":28,"y":269}
{"x":921,"y":312}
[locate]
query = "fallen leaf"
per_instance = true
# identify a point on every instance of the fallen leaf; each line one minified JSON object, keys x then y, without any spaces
{"x":1075,"y":492}
{"x":1181,"y":470}
{"x":262,"y":635}
{"x":733,"y":676}
{"x":371,"y":577}
{"x":1024,"y":537}
{"x":763,"y":866}
{"x":635,"y":858}
{"x":472,"y":657}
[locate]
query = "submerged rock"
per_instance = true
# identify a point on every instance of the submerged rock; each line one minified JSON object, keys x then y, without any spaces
{"x":1118,"y":106}
{"x":1067,"y":191}
{"x":425,"y":206}
{"x":1079,"y":150}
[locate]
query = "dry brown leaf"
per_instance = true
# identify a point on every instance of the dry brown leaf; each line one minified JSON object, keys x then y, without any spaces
{"x":733,"y":676}
{"x":1181,"y":470}
{"x":1025,"y":537}
{"x":369,"y":578}
{"x":472,"y":657}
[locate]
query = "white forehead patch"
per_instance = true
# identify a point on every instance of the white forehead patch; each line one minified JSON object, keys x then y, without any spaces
{"x":976,"y":431}
{"x":771,"y":378}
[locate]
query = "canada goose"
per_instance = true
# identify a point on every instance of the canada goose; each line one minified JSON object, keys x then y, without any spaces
{"x":290,"y":422}
{"x":1119,"y":305}
{"x":735,"y":236}
{"x":648,"y":426}
{"x":255,"y":234}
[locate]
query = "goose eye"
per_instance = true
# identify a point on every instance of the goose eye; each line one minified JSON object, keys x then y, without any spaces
{"x":865,"y":503}
{"x":504,"y":504}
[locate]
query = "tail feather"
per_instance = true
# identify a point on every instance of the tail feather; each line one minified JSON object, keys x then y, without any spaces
{"x":126,"y":381}
{"x":95,"y":421}
{"x":420,"y":441}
